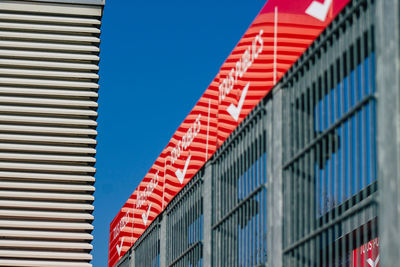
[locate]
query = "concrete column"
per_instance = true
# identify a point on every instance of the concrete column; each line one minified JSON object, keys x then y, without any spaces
{"x":388,"y":124}
{"x":274,"y":125}
{"x":207,"y":215}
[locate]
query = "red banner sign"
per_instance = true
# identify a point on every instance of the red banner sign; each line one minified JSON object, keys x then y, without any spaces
{"x":276,"y":39}
{"x":367,"y":255}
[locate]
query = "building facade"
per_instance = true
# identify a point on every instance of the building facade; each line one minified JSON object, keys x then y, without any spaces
{"x":49,"y":54}
{"x":311,"y":176}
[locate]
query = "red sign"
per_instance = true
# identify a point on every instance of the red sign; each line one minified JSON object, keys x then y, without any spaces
{"x":367,"y":255}
{"x":276,"y":39}
{"x":192,"y":144}
{"x":121,"y":233}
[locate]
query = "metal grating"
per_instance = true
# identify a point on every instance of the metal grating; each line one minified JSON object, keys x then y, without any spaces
{"x":184,"y":217}
{"x":330,"y":186}
{"x":147,"y":247}
{"x":239,"y":228}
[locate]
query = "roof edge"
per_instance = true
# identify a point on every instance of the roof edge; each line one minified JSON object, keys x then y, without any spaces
{"x":86,"y":2}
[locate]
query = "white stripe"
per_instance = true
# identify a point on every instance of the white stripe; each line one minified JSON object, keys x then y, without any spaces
{"x":275,"y":41}
{"x":208,"y":126}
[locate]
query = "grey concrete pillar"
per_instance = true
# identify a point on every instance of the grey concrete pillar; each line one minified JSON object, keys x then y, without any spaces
{"x":388,"y":122}
{"x":274,"y":130}
{"x":207,"y":215}
{"x":163,"y":241}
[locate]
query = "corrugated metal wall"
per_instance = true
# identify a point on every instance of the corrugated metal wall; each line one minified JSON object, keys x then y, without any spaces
{"x":48,"y":102}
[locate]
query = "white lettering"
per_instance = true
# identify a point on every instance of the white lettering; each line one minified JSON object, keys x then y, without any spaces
{"x":241,"y":66}
{"x":121,"y":225}
{"x":142,"y":196}
{"x":187,"y":139}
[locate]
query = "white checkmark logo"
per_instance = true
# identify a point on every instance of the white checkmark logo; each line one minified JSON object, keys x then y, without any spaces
{"x":181,"y":174}
{"x":235,"y":111}
{"x":373,"y":263}
{"x":145,"y":215}
{"x":319,"y":10}
{"x":119,"y":248}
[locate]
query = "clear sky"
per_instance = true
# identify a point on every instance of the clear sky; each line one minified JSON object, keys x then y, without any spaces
{"x":157,"y":59}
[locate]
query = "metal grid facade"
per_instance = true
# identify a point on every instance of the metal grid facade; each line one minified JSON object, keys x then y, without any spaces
{"x":148,"y":246}
{"x":330,"y":156}
{"x":184,"y":216}
{"x":298,"y":182}
{"x":239,"y":228}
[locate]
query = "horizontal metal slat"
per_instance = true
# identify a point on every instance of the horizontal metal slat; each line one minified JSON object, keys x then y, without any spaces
{"x":44,"y":255}
{"x":45,"y":205}
{"x":46,"y":120}
{"x":44,"y":148}
{"x":48,"y":64}
{"x":46,"y":130}
{"x":48,"y":215}
{"x":48,"y":92}
{"x":48,"y":83}
{"x":47,"y":139}
{"x":46,"y":27}
{"x":51,"y":19}
{"x":45,"y":186}
{"x":45,"y":37}
{"x":47,"y":111}
{"x":44,"y":235}
{"x":46,"y":176}
{"x":45,"y":167}
{"x":47,"y":101}
{"x":48,"y":74}
{"x":45,"y":196}
{"x":33,"y":263}
{"x":45,"y":225}
{"x":54,"y":8}
{"x":43,"y":55}
{"x":48,"y":46}
{"x":45,"y":244}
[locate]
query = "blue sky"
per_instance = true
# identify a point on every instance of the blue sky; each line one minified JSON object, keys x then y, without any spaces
{"x":157,"y":58}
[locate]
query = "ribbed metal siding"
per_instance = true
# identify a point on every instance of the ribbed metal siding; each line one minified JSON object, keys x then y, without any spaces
{"x":48,"y":102}
{"x":330,"y":177}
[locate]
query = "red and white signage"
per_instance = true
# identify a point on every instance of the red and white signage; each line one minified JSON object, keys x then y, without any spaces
{"x":367,"y":255}
{"x":276,"y":39}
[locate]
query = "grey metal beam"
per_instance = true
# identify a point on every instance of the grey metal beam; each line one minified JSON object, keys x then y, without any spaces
{"x":388,"y":120}
{"x":207,"y":215}
{"x":274,"y":130}
{"x":163,"y":242}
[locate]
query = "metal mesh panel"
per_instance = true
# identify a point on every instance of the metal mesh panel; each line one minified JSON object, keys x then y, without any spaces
{"x":330,"y":214}
{"x":147,"y":247}
{"x":185,"y":226}
{"x":239,"y":196}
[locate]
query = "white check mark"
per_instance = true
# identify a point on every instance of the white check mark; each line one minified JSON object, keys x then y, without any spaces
{"x":319,"y":10}
{"x":145,"y":215}
{"x":181,"y":174}
{"x":119,"y":248}
{"x":235,"y":111}
{"x":373,"y":263}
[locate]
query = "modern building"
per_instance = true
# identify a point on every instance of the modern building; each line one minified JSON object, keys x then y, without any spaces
{"x":49,"y":54}
{"x":309,"y":175}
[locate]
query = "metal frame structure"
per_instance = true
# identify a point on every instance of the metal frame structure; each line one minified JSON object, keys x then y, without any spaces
{"x":311,"y":176}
